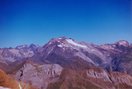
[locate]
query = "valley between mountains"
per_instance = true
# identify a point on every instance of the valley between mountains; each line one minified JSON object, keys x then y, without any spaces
{"x":64,"y":63}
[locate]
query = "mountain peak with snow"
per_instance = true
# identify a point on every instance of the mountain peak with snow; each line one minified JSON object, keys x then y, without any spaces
{"x":66,"y":42}
{"x":123,"y":43}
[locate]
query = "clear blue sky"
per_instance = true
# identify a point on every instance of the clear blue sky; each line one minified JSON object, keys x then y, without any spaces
{"x":37,"y":21}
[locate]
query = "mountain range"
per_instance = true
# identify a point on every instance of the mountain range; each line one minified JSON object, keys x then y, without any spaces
{"x":64,"y":63}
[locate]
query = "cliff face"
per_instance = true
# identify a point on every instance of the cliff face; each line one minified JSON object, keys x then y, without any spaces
{"x":38,"y":75}
{"x":92,"y":79}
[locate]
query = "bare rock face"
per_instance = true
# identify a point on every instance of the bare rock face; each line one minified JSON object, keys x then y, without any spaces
{"x":115,"y":79}
{"x":121,"y":80}
{"x":39,"y":75}
{"x":98,"y":74}
{"x":92,"y":79}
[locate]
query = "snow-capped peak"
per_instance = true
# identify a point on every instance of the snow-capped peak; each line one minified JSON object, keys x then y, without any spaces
{"x":63,"y":42}
{"x":22,"y":46}
{"x":123,"y":43}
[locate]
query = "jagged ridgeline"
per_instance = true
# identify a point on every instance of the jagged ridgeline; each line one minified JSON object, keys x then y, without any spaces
{"x":64,"y":63}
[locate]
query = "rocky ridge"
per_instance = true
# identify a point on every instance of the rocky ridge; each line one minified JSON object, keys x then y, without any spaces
{"x":64,"y":63}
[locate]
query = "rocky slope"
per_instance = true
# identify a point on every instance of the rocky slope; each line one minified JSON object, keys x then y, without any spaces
{"x":64,"y":63}
{"x":38,"y":75}
{"x":6,"y":82}
{"x":93,"y":78}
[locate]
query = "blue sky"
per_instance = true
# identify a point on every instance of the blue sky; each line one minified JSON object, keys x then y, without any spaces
{"x":37,"y":21}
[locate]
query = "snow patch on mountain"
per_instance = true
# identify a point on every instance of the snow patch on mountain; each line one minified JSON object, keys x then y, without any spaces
{"x":60,"y":46}
{"x":75,"y":44}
